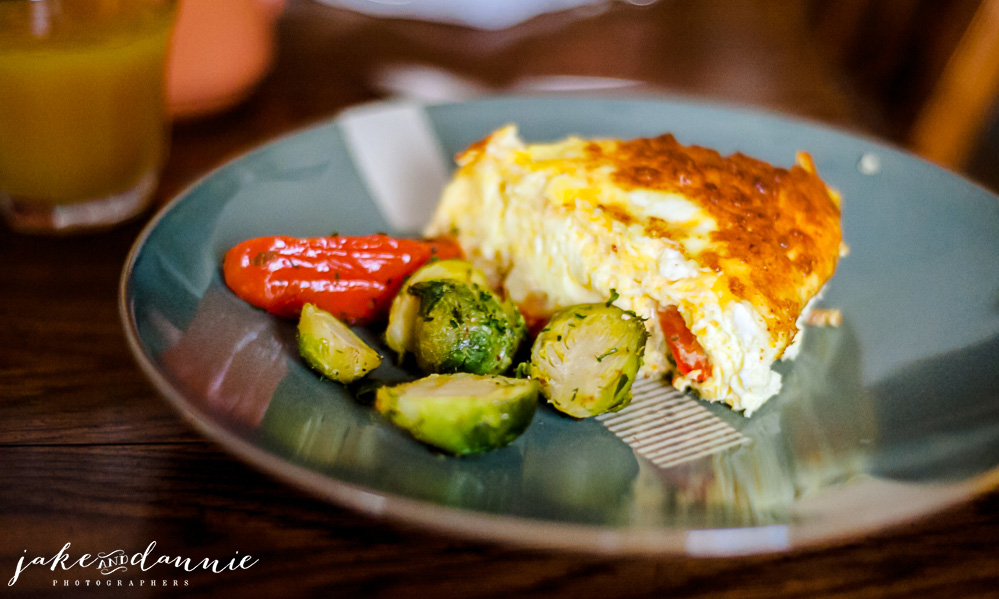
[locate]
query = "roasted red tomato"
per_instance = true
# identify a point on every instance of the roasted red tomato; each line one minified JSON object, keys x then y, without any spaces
{"x":686,"y":349}
{"x":353,"y":278}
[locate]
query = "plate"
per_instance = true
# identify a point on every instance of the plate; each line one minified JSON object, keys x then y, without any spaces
{"x":889,"y":417}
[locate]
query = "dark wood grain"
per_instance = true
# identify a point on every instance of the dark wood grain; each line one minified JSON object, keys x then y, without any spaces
{"x":90,"y":455}
{"x":66,"y":374}
{"x":195,"y":501}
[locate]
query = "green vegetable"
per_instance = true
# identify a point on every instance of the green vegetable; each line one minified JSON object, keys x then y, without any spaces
{"x":399,"y":332}
{"x":462,"y":327}
{"x":587,"y":358}
{"x":330,"y":347}
{"x":461,"y":413}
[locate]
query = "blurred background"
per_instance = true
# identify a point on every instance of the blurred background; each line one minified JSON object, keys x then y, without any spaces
{"x":922,"y":74}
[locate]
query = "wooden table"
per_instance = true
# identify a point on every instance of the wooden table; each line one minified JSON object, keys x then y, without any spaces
{"x":90,"y":455}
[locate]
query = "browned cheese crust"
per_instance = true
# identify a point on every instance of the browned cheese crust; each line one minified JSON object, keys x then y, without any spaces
{"x":778,"y":236}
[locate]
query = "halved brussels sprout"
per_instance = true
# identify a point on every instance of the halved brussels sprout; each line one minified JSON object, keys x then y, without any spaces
{"x":464,"y":328}
{"x":329,"y":346}
{"x":399,"y":332}
{"x":461,"y":413}
{"x":587,"y":357}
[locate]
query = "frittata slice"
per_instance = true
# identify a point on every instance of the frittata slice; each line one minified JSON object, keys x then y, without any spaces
{"x":721,"y":255}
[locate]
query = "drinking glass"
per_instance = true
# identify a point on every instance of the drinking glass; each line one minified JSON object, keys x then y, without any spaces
{"x":83,"y":125}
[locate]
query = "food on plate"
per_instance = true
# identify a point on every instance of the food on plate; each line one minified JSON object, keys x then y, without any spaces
{"x":687,"y":352}
{"x":402,"y":315}
{"x":824,"y":317}
{"x":586,"y":358}
{"x":461,"y":413}
{"x":353,"y":278}
{"x":722,"y":256}
{"x":331,"y":348}
{"x":712,"y":265}
{"x":463,"y":327}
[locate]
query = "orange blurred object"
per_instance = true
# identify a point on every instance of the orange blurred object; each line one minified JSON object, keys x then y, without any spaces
{"x":220,"y":51}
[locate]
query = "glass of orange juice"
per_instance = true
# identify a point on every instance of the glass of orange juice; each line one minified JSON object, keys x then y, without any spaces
{"x":83,"y":125}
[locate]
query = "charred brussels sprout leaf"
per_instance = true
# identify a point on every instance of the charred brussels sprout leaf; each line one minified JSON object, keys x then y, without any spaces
{"x":330,"y":347}
{"x":587,"y":358}
{"x":461,"y":413}
{"x":463,"y":327}
{"x":402,"y":315}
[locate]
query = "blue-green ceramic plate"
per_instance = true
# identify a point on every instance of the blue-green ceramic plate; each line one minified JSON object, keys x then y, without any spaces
{"x":891,"y":416}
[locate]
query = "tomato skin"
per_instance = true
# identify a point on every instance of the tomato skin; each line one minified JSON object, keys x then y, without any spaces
{"x":354,"y":278}
{"x":686,"y":349}
{"x":535,"y":316}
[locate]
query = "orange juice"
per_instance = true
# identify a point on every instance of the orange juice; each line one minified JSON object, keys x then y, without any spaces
{"x":81,"y":97}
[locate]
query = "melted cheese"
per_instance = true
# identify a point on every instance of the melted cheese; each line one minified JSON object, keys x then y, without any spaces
{"x":737,"y":245}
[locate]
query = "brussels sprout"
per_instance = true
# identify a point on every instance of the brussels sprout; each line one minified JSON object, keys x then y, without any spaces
{"x":461,"y":413}
{"x":587,"y":357}
{"x":464,"y":328}
{"x":330,"y":347}
{"x":399,"y":332}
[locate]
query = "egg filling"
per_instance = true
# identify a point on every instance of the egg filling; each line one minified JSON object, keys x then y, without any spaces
{"x":734,"y":245}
